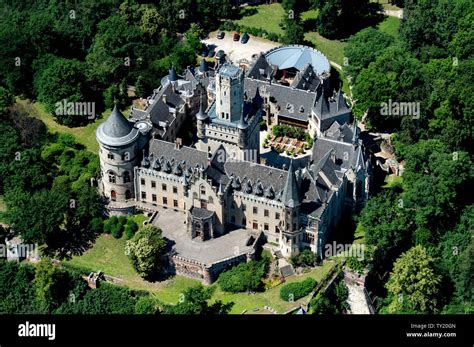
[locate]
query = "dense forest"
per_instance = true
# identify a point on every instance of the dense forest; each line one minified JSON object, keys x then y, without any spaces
{"x":419,"y":229}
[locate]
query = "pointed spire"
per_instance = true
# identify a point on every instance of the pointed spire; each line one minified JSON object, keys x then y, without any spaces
{"x":203,"y":66}
{"x":322,"y":105}
{"x":341,"y":102}
{"x":242,"y":125}
{"x":201,"y":115}
{"x":258,"y":98}
{"x":291,"y":194}
{"x":172,"y":76}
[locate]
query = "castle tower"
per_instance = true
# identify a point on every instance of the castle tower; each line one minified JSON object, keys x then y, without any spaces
{"x":201,"y":118}
{"x":292,"y":200}
{"x":118,"y":153}
{"x":229,"y":93}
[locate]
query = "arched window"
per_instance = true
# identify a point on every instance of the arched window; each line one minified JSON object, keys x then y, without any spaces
{"x":113,"y":195}
{"x":112,"y":177}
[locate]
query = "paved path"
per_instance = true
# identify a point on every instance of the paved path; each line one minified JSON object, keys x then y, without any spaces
{"x":394,"y":13}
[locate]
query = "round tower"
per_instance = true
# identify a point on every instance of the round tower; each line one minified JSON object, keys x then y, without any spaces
{"x":118,"y":154}
{"x":201,"y":118}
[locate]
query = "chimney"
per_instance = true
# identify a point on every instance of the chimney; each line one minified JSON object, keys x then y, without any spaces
{"x":178,"y":143}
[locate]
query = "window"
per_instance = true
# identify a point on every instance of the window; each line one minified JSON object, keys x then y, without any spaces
{"x":211,"y":200}
{"x":113,"y":195}
{"x":111,"y":177}
{"x":175,"y":190}
{"x":110,"y":156}
{"x":266,"y":213}
{"x":143,"y":195}
{"x":255,"y":225}
{"x":126,"y":177}
{"x":277,"y":215}
{"x":153,"y":197}
{"x":163,"y":187}
{"x":203,"y":191}
{"x":165,"y":200}
{"x":142,"y":181}
{"x":243,"y":207}
{"x":265,"y":227}
{"x":153,"y":184}
{"x":175,"y":203}
{"x":277,"y":230}
{"x":255,"y":210}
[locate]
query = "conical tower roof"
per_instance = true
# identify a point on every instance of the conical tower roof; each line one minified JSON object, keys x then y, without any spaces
{"x":201,"y":115}
{"x":291,"y":193}
{"x":116,"y":130}
{"x":203,"y":66}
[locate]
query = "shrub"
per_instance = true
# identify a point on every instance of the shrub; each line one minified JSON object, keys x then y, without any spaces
{"x":117,"y":231}
{"x":305,"y":258}
{"x":132,"y":224}
{"x":128,"y":232}
{"x":244,"y":277}
{"x":122,"y":220}
{"x":297,"y":290}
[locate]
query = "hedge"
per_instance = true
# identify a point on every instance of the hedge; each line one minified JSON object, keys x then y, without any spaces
{"x":297,"y":290}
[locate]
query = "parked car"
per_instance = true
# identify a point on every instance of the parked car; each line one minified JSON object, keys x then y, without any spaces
{"x":220,"y":35}
{"x":220,"y":54}
{"x":211,"y":53}
{"x":245,"y":38}
{"x":236,"y":37}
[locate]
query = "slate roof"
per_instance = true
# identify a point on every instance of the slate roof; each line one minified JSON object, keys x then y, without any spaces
{"x":292,"y":102}
{"x":291,"y":192}
{"x":116,"y":130}
{"x":201,"y":213}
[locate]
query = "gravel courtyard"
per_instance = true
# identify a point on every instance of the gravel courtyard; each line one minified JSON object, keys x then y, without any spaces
{"x":237,"y":51}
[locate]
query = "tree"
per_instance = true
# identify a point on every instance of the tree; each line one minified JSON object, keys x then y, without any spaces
{"x":195,"y":301}
{"x":145,"y":250}
{"x":6,"y":100}
{"x":244,"y":277}
{"x":364,"y":48}
{"x":413,"y":284}
{"x":62,"y":80}
{"x":320,"y":304}
{"x":146,"y":305}
{"x":294,"y":33}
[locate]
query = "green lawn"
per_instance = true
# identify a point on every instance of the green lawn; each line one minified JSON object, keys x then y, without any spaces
{"x":268,"y":17}
{"x":84,"y":135}
{"x":108,"y":255}
{"x":390,"y":26}
{"x":271,"y":297}
{"x":392,"y":180}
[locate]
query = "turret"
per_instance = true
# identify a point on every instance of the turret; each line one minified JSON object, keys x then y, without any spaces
{"x":118,"y":154}
{"x":201,"y":118}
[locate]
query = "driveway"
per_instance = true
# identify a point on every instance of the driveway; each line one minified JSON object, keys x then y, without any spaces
{"x":237,"y":51}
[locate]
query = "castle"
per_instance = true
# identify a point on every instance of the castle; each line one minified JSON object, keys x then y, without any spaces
{"x":219,"y":183}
